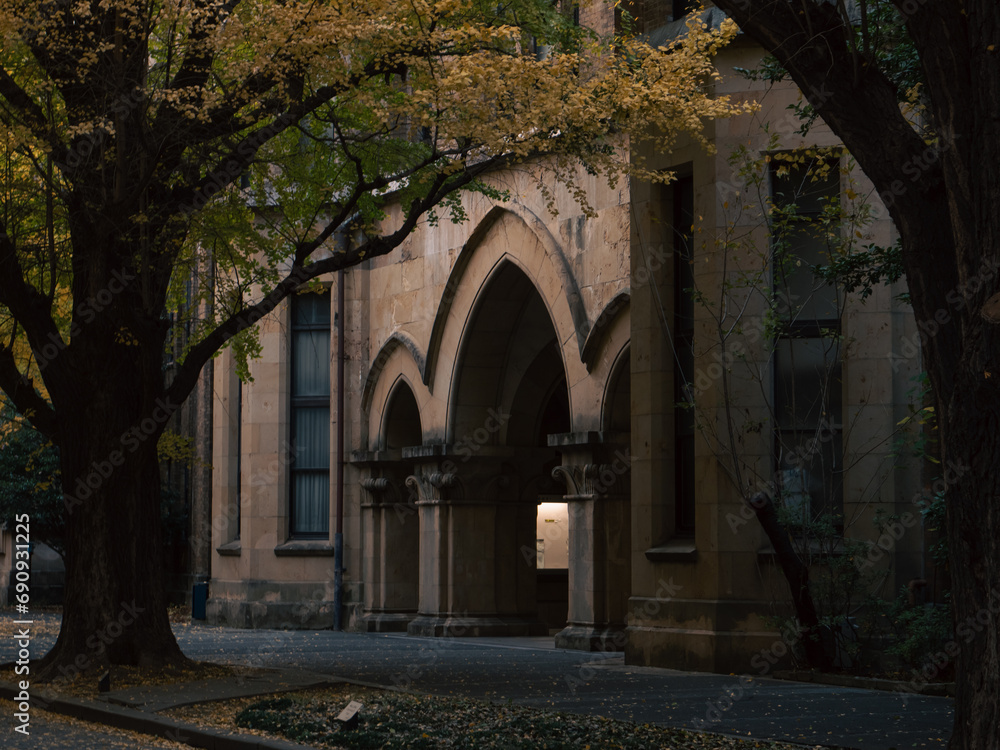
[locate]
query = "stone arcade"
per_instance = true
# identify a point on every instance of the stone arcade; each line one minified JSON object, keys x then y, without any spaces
{"x":515,"y":461}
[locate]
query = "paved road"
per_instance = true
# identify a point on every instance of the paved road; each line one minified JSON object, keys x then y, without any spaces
{"x":531,"y":672}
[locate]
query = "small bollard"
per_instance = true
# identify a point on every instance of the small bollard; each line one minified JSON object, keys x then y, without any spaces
{"x":104,"y":682}
{"x":348,"y":718}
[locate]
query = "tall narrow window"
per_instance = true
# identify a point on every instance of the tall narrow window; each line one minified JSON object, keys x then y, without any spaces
{"x":807,"y":357}
{"x":310,"y":416}
{"x":684,"y":433}
{"x":239,"y":457}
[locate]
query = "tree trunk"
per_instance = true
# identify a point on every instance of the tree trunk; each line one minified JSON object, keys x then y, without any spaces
{"x":115,"y":603}
{"x":797,"y":574}
{"x":971,"y":445}
{"x":115,"y":606}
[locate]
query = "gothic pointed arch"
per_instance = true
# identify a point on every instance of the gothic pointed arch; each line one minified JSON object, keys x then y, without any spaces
{"x":401,"y":423}
{"x":616,"y":413}
{"x":508,"y":333}
{"x":396,"y":339}
{"x":514,"y":233}
{"x":618,"y":305}
{"x":398,"y":359}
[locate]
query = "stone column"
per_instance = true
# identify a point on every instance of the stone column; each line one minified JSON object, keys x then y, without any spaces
{"x":391,"y":556}
{"x":474,"y":580}
{"x":596,"y":471}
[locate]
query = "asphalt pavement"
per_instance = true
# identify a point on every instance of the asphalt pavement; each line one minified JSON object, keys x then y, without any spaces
{"x":531,"y":672}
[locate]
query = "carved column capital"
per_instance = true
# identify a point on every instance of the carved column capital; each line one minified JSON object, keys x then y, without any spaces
{"x":571,"y":476}
{"x":475,"y":485}
{"x":443,"y":480}
{"x":595,"y":479}
{"x":384,"y":490}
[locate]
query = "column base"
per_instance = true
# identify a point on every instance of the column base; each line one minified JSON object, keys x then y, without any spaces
{"x":576,"y":637}
{"x":433,"y":626}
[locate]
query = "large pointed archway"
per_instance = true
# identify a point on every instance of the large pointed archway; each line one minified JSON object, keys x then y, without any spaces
{"x":480,"y":492}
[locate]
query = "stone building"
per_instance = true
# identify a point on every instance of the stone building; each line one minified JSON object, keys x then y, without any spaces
{"x":511,"y":456}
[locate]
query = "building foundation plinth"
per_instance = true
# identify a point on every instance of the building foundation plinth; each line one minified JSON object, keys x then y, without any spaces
{"x":578,"y":637}
{"x":462,"y":626}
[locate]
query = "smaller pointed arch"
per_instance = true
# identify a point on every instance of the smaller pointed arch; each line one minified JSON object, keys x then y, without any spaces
{"x":616,"y":412}
{"x":618,"y":305}
{"x":396,"y":339}
{"x":401,"y":423}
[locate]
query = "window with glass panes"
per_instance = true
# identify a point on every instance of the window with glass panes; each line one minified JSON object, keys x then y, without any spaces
{"x":682,"y":209}
{"x":239,"y":457}
{"x":309,"y":490}
{"x":807,"y":355}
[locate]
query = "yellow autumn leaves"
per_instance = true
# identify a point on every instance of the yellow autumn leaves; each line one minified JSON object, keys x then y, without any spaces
{"x":466,"y":71}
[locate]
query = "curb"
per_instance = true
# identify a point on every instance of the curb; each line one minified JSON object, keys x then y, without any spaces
{"x":158,"y":726}
{"x":934,"y":689}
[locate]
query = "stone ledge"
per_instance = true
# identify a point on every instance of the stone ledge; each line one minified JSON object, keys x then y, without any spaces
{"x":230,"y":549}
{"x":459,"y":454}
{"x":870,"y":683}
{"x":371,"y":458}
{"x":590,"y":437}
{"x":304,"y":548}
{"x":677,"y":550}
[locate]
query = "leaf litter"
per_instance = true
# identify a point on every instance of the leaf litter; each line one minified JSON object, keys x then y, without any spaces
{"x":393,"y":720}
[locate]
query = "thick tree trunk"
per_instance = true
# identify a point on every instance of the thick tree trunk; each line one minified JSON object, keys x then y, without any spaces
{"x":973,"y":516}
{"x":970,"y":412}
{"x":970,"y":423}
{"x":111,"y":417}
{"x":115,"y":606}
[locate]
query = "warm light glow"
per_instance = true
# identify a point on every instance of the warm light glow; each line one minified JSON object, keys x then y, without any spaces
{"x":552,"y":535}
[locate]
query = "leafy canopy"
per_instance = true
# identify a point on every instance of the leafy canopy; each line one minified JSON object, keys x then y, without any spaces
{"x":153,"y":139}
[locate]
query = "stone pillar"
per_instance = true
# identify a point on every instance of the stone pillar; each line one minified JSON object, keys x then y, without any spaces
{"x":390,"y":529}
{"x":474,"y":579}
{"x":596,"y":471}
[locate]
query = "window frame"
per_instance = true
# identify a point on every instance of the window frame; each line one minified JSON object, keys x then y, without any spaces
{"x":684,"y":433}
{"x":299,"y":402}
{"x":827,"y":434}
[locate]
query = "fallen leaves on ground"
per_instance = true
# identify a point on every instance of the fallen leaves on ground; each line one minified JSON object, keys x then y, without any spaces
{"x":84,"y":685}
{"x":44,"y":621}
{"x":51,"y":729}
{"x":394,"y":721}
